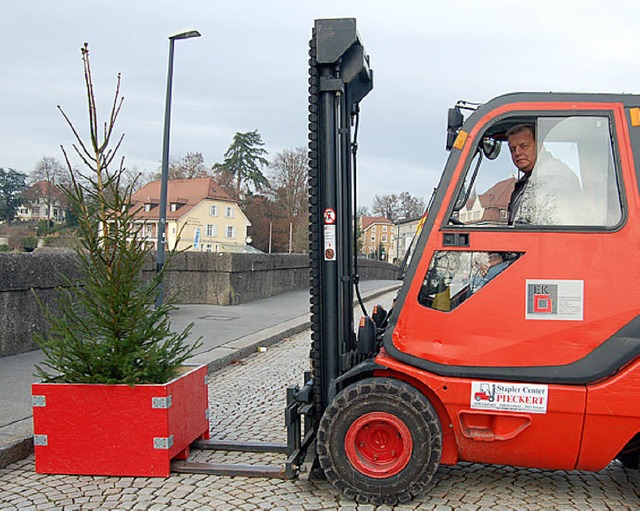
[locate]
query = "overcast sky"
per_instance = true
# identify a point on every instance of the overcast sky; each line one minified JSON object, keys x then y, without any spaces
{"x":249,"y":71}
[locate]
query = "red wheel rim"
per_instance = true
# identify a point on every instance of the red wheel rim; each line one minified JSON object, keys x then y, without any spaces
{"x":378,"y":445}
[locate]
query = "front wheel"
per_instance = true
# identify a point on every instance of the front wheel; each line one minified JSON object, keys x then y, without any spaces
{"x":630,"y":460}
{"x":379,"y":441}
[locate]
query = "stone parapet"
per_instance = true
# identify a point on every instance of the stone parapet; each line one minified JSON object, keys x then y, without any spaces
{"x":28,"y":280}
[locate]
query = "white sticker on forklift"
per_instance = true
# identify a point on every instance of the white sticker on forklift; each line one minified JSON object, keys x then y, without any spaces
{"x":555,"y":300}
{"x":509,"y":397}
{"x":330,"y":242}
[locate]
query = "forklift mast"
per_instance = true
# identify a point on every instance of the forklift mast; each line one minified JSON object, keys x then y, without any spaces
{"x":339,"y":78}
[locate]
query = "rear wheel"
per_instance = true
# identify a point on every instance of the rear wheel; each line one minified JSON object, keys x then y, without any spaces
{"x":379,"y":441}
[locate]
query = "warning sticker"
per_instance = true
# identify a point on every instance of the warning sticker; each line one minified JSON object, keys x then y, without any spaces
{"x":555,"y":299}
{"x":509,"y":397}
{"x":329,"y":242}
{"x":329,"y":216}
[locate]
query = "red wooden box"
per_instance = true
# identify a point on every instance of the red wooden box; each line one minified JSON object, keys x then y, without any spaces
{"x":96,"y":429}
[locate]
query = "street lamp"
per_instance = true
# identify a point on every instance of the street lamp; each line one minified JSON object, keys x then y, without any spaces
{"x":399,"y":219}
{"x":162,"y":220}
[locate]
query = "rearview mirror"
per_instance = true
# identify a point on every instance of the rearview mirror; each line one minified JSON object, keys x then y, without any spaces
{"x":455,"y":119}
{"x":490,"y":147}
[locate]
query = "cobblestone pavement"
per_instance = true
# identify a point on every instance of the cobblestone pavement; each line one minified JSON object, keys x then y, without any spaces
{"x":247,"y":402}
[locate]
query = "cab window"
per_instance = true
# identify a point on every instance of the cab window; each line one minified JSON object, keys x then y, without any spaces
{"x":573,"y":181}
{"x":456,"y":275}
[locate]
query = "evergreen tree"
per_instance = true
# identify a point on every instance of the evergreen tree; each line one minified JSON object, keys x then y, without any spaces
{"x":12,"y":184}
{"x":243,"y":163}
{"x":108,"y":329}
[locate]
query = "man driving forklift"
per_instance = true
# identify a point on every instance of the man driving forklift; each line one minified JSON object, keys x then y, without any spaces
{"x":555,"y":180}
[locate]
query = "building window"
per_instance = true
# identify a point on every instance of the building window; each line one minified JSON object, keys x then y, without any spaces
{"x":213,"y":210}
{"x":384,"y":238}
{"x":231,"y":231}
{"x":147,"y":207}
{"x":228,"y":212}
{"x":208,"y":248}
{"x":212,"y":230}
{"x":173,"y":207}
{"x":384,"y":228}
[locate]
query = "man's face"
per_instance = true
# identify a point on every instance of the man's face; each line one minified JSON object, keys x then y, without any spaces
{"x":523,"y":150}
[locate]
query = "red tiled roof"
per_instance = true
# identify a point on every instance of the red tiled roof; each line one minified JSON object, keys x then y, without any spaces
{"x":493,"y":201}
{"x":367,"y":221}
{"x":187,"y":193}
{"x":42,"y":188}
{"x":498,"y":195}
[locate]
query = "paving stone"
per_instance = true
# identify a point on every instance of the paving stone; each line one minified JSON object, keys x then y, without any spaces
{"x":247,"y":403}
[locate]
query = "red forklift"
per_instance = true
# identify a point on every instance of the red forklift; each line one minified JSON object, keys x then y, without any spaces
{"x":534,"y":365}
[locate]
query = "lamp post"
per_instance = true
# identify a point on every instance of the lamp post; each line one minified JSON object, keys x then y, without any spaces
{"x":162,"y":220}
{"x":400,"y":218}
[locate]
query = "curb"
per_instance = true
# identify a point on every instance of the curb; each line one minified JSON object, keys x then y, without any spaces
{"x":20,"y":446}
{"x":233,"y":351}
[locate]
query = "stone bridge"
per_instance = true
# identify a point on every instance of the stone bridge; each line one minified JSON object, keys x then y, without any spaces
{"x":208,"y":278}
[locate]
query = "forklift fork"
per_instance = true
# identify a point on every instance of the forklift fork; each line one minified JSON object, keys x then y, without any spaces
{"x":298,"y":405}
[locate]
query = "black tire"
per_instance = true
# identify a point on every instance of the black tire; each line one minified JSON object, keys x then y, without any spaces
{"x":630,"y":460}
{"x":373,"y":418}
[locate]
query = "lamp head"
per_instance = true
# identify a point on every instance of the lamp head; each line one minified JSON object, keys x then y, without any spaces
{"x":185,"y":35}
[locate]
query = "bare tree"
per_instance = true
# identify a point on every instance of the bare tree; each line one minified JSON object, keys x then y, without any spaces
{"x":135,"y":178}
{"x":410,"y":206}
{"x":50,"y":169}
{"x":288,"y":177}
{"x":362,"y":211}
{"x":54,"y":174}
{"x":387,"y":205}
{"x":394,"y":206}
{"x":190,"y":166}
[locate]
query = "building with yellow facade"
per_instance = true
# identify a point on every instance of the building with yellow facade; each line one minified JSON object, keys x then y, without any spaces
{"x":201,"y":216}
{"x":378,"y":238}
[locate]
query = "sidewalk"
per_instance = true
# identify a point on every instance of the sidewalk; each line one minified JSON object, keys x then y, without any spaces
{"x":228,"y":333}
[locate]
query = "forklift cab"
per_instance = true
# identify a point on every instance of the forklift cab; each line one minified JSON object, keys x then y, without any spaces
{"x":562,"y":311}
{"x":563,"y":278}
{"x":574,"y":186}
